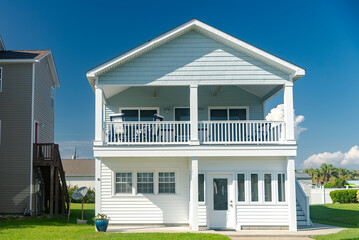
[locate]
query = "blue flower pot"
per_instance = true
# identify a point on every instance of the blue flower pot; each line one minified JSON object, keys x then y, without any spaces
{"x":101,"y":225}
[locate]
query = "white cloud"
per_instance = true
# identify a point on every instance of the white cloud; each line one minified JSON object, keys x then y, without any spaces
{"x":83,"y":148}
{"x":277,"y":114}
{"x":348,"y":159}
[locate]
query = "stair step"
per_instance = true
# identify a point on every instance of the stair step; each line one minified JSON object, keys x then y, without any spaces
{"x":301,"y":223}
{"x":300,"y":213}
{"x":299,"y":208}
{"x":301,"y":218}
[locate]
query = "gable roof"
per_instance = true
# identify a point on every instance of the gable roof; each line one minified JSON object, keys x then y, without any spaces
{"x":30,"y":56}
{"x":79,"y":167}
{"x":23,"y":54}
{"x":207,"y":30}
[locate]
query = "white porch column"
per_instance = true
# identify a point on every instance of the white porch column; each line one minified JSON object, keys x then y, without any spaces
{"x":289,"y":112}
{"x":98,"y":185}
{"x":194,"y":114}
{"x":292,"y":201}
{"x":194,"y":193}
{"x":98,"y":115}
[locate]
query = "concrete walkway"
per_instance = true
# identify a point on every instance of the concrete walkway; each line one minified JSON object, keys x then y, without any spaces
{"x":304,"y":232}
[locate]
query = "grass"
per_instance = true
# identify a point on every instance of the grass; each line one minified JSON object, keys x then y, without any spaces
{"x":343,"y":215}
{"x":42,"y":228}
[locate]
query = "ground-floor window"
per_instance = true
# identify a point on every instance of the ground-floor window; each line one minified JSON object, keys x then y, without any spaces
{"x":123,"y":182}
{"x":267,"y":187}
{"x":166,"y":182}
{"x":201,"y":187}
{"x":145,"y":182}
{"x":254,"y":187}
{"x":281,"y":187}
{"x":241,"y":187}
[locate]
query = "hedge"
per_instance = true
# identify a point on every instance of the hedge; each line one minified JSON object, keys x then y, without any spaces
{"x":344,"y":196}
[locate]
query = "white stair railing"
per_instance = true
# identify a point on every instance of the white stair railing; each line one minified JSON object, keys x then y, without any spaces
{"x":303,"y":201}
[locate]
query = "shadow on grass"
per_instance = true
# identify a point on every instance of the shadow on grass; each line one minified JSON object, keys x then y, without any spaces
{"x":89,"y":213}
{"x":338,"y":215}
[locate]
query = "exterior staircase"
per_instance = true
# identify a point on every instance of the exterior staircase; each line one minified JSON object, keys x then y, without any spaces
{"x":47,"y":162}
{"x":303,"y":214}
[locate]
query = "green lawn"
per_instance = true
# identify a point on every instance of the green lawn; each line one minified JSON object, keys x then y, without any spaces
{"x":40,"y":228}
{"x":343,"y":215}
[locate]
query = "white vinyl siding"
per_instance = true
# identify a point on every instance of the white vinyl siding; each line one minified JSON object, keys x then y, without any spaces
{"x":145,"y":208}
{"x":270,"y":215}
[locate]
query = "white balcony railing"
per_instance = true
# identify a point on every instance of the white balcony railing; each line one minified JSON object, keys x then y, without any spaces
{"x":169,"y":132}
{"x":241,"y":132}
{"x":209,"y":132}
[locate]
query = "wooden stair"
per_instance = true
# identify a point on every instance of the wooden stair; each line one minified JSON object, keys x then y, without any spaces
{"x":47,"y":158}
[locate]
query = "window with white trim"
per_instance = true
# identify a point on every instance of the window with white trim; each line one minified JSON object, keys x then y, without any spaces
{"x":267,"y":187}
{"x":281,"y":187}
{"x":230,"y":113}
{"x":166,"y":182}
{"x":52,"y":97}
{"x":123,"y":182}
{"x":0,"y":79}
{"x":241,"y":180}
{"x":145,"y":182}
{"x":254,"y":187}
{"x":201,"y":187}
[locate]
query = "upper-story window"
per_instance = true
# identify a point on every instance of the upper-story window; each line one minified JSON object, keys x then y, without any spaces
{"x":52,"y":97}
{"x":230,"y":113}
{"x":182,"y":114}
{"x":0,"y":79}
{"x":139,"y":114}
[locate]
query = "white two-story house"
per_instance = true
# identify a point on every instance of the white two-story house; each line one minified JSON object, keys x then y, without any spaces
{"x":180,"y":135}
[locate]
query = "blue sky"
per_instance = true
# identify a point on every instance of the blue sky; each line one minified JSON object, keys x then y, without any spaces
{"x":320,"y":36}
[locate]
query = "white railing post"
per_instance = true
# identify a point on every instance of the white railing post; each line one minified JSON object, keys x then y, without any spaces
{"x":194,"y":114}
{"x":289,"y":112}
{"x":99,"y":136}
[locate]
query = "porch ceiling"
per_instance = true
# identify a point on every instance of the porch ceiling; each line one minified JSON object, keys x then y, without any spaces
{"x":262,"y":91}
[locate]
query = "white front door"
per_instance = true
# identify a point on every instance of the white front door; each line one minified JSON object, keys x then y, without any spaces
{"x":221,"y":206}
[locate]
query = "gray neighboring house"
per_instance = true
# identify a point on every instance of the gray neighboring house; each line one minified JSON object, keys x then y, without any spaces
{"x":80,"y":172}
{"x":28,"y":80}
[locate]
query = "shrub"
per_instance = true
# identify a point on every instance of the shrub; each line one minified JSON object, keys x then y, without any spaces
{"x":344,"y":196}
{"x":89,"y":198}
{"x":338,"y":183}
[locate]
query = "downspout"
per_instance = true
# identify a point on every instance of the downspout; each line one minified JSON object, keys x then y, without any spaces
{"x":32,"y":135}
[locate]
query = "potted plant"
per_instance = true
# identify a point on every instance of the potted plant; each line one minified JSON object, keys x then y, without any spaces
{"x":101,"y":221}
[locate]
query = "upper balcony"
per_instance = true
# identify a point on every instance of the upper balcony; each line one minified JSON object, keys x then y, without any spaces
{"x":192,"y":115}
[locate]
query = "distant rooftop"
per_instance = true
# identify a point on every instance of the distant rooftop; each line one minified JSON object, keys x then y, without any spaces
{"x":302,"y":176}
{"x":79,"y":167}
{"x":23,"y":54}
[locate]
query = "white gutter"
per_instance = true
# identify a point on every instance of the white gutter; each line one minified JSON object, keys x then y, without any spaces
{"x":18,"y":61}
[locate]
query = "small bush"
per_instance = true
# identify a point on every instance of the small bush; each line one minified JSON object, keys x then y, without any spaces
{"x":338,"y":183}
{"x":344,"y":196}
{"x":89,"y":198}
